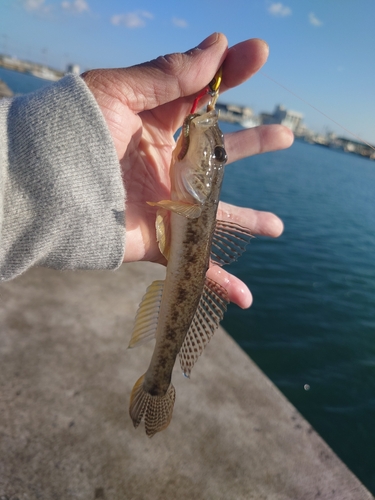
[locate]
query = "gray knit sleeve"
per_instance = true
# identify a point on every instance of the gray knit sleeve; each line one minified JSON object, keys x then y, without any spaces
{"x":62,"y":199}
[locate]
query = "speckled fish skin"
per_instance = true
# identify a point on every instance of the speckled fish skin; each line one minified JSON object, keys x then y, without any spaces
{"x":196,"y":180}
{"x":189,"y":258}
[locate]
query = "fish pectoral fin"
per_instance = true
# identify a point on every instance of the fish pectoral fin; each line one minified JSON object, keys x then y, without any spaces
{"x":156,"y":411}
{"x":229,"y":242}
{"x":190,"y":211}
{"x":210,"y":312}
{"x":163,"y":231}
{"x":146,"y":319}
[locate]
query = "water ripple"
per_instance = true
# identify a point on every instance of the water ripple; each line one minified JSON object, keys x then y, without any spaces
{"x":312,"y":323}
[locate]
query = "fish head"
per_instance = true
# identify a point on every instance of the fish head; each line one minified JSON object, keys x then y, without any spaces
{"x":199,"y":158}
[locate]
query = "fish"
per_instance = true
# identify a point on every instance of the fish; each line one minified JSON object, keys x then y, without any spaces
{"x":183,"y":311}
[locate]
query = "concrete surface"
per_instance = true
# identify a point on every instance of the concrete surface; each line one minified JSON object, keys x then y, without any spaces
{"x":65,"y":433}
{"x":5,"y":90}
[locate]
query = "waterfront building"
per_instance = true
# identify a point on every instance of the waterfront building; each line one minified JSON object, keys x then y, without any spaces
{"x":73,"y":68}
{"x":283,"y":116}
{"x":233,"y":113}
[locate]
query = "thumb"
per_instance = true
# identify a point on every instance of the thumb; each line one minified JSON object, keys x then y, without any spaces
{"x":148,"y":85}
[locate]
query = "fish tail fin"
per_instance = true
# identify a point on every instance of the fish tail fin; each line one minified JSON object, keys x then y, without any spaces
{"x":155,"y":410}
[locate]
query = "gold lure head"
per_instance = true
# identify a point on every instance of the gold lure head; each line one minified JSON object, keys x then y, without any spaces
{"x":213,"y":90}
{"x":216,"y":81}
{"x":214,"y":86}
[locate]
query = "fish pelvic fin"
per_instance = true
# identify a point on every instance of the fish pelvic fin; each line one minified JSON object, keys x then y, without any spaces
{"x":190,"y":211}
{"x":156,"y":411}
{"x":163,"y":231}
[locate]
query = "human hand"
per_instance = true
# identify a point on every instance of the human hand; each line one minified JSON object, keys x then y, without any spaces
{"x":144,"y":105}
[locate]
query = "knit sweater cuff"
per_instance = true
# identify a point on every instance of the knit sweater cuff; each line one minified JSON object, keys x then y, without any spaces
{"x":62,"y":199}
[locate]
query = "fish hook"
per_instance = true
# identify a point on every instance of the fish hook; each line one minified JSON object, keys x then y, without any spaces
{"x":212,"y":89}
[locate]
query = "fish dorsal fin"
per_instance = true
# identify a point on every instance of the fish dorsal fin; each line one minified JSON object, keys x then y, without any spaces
{"x":190,"y":211}
{"x":210,"y":312}
{"x":229,"y":242}
{"x":146,"y":319}
{"x":163,"y":232}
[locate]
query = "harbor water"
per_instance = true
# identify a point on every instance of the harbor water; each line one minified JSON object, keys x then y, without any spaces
{"x":311,"y":328}
{"x":312,"y":324}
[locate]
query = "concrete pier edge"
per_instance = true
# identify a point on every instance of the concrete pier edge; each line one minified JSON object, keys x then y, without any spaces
{"x":65,"y":380}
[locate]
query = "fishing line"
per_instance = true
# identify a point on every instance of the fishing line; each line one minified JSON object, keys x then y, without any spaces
{"x":318,"y":110}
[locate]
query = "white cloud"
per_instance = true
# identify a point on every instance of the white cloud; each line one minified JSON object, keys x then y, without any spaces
{"x":314,"y":20}
{"x":132,"y":19}
{"x":279,"y":10}
{"x":37,"y":5}
{"x":77,"y":6}
{"x":180,"y":23}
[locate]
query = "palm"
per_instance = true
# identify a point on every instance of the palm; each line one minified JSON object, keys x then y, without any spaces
{"x":145,"y":168}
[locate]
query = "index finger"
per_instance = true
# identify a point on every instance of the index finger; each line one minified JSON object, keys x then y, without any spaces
{"x":253,"y":141}
{"x":258,"y":222}
{"x":242,"y":61}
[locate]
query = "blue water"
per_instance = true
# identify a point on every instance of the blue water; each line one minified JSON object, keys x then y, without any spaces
{"x":21,"y":83}
{"x":312,"y":324}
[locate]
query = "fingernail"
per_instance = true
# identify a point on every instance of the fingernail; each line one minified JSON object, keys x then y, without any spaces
{"x":207,"y":42}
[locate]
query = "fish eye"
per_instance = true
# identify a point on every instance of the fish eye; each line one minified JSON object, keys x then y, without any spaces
{"x":220,"y":154}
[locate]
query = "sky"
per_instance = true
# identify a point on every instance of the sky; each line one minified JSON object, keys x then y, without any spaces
{"x":321,"y":50}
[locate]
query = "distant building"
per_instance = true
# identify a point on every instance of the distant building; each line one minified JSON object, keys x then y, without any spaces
{"x":245,"y":117}
{"x":45,"y":73}
{"x":291,"y":119}
{"x":351,"y":146}
{"x":73,"y":68}
{"x":233,"y":113}
{"x":36,"y":69}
